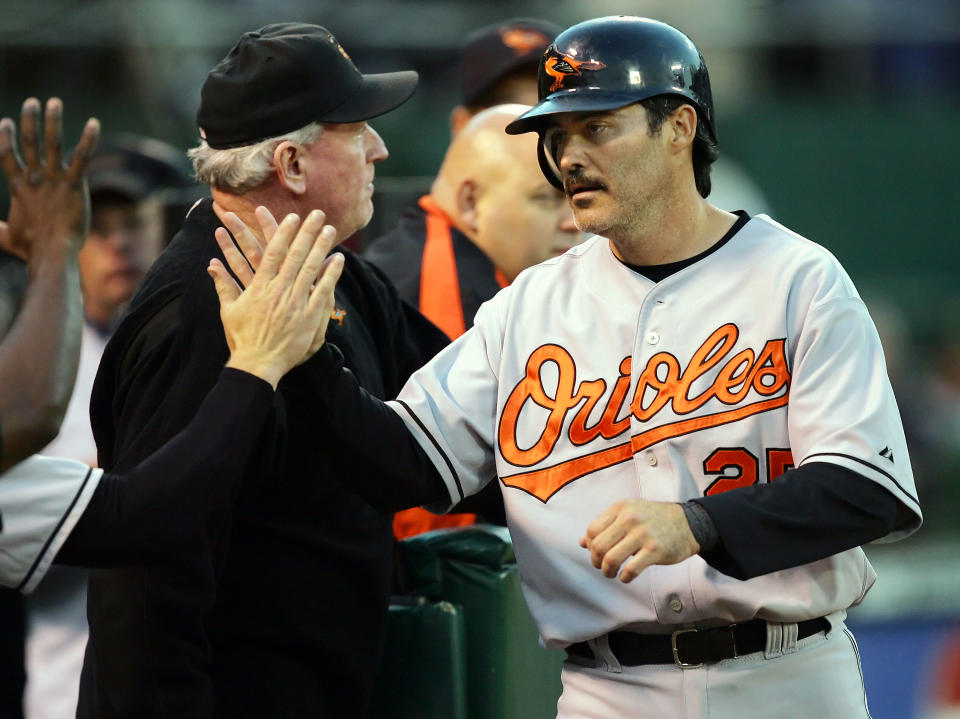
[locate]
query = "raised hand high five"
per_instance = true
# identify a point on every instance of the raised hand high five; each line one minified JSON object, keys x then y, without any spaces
{"x":280,"y":315}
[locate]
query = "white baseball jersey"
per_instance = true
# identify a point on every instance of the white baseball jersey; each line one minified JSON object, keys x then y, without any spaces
{"x":584,"y":383}
{"x":41,"y":500}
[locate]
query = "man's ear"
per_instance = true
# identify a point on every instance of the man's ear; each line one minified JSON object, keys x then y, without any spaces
{"x":683,"y":127}
{"x":467,"y":197}
{"x":288,"y":163}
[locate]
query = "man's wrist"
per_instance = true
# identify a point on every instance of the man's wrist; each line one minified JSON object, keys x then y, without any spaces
{"x":263,"y":367}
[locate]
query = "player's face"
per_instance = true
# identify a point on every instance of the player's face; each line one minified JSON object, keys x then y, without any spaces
{"x":522,"y":219}
{"x":339,"y":166}
{"x":125,"y":238}
{"x":614,"y":171}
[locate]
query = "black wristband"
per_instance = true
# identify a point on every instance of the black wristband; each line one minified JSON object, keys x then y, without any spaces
{"x":701,"y":525}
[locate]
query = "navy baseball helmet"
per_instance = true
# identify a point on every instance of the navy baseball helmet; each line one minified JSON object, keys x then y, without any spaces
{"x":612,"y":62}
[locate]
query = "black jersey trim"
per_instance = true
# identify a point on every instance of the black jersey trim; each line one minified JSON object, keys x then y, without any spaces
{"x":436,"y":444}
{"x":871,"y":466}
{"x":658,"y":273}
{"x":55,"y":532}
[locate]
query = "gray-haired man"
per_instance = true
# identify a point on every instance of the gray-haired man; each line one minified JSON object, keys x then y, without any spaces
{"x":282,"y":611}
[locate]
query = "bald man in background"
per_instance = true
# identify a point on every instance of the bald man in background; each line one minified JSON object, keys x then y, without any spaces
{"x":489,"y":215}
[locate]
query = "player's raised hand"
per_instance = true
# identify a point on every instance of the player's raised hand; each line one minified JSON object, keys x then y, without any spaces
{"x":272,"y":323}
{"x":49,"y":203}
{"x":635,"y":534}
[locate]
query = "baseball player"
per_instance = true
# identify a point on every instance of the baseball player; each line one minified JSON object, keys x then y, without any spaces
{"x":54,"y":509}
{"x":688,"y":414}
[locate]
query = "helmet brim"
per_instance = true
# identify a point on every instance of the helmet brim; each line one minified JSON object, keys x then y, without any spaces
{"x":579,"y":100}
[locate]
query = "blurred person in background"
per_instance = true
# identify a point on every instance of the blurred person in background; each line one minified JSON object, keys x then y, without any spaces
{"x":127,"y":176}
{"x":498,"y":65}
{"x":489,"y":215}
{"x":40,"y":319}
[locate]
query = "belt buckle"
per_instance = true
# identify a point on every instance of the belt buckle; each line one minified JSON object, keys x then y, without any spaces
{"x":676,"y":653}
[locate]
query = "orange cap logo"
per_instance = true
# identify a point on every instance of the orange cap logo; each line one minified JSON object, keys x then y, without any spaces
{"x":523,"y":41}
{"x":559,"y":67}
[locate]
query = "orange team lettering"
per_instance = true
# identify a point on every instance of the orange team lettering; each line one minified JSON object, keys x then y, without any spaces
{"x":765,"y":373}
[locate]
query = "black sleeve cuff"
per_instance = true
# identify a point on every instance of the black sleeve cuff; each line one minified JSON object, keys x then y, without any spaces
{"x":325,"y":363}
{"x":702,"y":527}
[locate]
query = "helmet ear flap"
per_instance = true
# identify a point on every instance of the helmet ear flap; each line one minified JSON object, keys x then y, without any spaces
{"x":547,"y":165}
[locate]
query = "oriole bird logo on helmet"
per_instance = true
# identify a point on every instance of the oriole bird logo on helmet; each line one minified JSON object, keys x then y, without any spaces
{"x":559,"y":67}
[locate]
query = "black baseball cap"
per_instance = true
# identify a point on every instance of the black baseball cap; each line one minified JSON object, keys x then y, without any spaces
{"x":135,"y":167}
{"x":495,"y":51}
{"x":284,"y":76}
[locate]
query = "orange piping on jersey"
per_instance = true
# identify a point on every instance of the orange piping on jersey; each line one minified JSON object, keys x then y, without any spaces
{"x":544,"y":483}
{"x":439,"y":284}
{"x":501,"y":278}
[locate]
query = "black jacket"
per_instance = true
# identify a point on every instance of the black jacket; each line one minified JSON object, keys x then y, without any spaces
{"x":399,"y":254}
{"x":280,"y":610}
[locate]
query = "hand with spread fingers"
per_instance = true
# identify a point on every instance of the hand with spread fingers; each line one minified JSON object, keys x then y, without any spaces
{"x":49,"y":204}
{"x":49,"y":213}
{"x":635,"y":534}
{"x":273,"y":322}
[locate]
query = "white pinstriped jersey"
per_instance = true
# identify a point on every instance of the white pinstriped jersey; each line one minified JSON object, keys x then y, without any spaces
{"x":584,"y":383}
{"x":41,"y":500}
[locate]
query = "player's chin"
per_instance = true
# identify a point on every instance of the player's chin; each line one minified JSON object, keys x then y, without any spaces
{"x":589,"y":221}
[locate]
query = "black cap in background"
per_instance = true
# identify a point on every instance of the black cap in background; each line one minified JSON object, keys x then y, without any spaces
{"x":136,"y":167}
{"x":495,"y":51}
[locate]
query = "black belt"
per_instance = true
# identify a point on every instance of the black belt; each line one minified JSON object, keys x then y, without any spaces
{"x":693,"y":647}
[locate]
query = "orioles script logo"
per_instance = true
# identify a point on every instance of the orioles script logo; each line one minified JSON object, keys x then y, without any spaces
{"x":663,"y":381}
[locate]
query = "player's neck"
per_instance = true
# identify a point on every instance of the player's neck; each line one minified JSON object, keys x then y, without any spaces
{"x":678,"y":231}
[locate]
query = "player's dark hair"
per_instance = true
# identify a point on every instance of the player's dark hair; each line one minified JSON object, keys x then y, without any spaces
{"x":705,"y":153}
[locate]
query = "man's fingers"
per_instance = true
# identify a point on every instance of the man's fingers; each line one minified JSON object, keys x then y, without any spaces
{"x":603,"y":520}
{"x":635,"y":565}
{"x":268,"y":223}
{"x":603,"y":545}
{"x":53,"y":135}
{"x":29,"y":140}
{"x":247,"y":242}
{"x":278,"y":246}
{"x":314,"y":262}
{"x":84,"y":150}
{"x":227,"y":289}
{"x":233,"y":257}
{"x":323,"y":290}
{"x":8,"y":153}
{"x":300,"y":249}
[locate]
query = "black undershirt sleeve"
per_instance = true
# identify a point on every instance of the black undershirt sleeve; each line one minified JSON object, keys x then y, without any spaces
{"x":387,"y":466}
{"x":154,"y":511}
{"x":806,"y":514}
